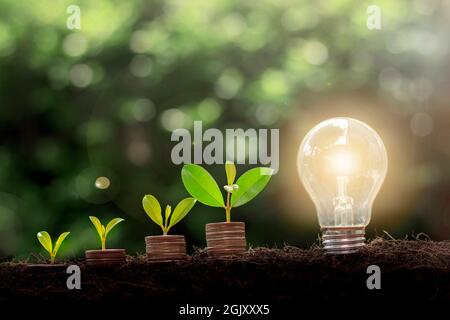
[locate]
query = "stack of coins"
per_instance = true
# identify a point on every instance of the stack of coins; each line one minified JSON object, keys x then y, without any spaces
{"x":225,"y":239}
{"x":105,"y":257}
{"x":165,"y":248}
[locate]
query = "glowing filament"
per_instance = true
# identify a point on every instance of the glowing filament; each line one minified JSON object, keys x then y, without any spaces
{"x":343,"y":163}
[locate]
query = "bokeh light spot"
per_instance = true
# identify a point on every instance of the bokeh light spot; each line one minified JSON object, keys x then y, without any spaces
{"x":140,"y":41}
{"x":172,"y":119}
{"x":229,"y":84}
{"x":315,"y":52}
{"x":274,"y":83}
{"x":75,"y":45}
{"x":209,"y":110}
{"x":233,"y":25}
{"x":96,"y":185}
{"x":81,"y":75}
{"x":102,"y":183}
{"x":141,"y":66}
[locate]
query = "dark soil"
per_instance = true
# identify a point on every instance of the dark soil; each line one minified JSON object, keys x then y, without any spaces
{"x":413,"y":270}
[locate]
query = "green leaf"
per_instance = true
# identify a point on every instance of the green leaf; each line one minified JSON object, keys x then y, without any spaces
{"x":114,"y":222}
{"x":59,"y":242}
{"x":250,"y":184}
{"x":181,"y":210}
{"x":153,"y":209}
{"x":230,"y":170}
{"x":46,"y":241}
{"x":201,"y":185}
{"x":98,"y":225}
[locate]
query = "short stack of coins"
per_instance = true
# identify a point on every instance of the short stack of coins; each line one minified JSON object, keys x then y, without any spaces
{"x":165,"y":248}
{"x":105,"y":257}
{"x":225,"y":239}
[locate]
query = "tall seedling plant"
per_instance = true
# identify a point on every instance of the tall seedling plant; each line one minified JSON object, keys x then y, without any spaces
{"x":202,"y":186}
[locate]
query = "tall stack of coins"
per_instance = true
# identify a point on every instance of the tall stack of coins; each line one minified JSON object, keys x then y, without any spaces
{"x":225,"y":239}
{"x":105,"y":257}
{"x":165,"y":248}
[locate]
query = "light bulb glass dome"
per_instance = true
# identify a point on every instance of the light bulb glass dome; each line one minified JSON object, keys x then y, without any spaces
{"x":342,"y":163}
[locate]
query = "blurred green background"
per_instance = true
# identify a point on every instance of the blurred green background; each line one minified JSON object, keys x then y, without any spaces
{"x":76,"y":105}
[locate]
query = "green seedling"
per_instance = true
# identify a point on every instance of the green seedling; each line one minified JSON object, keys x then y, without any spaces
{"x":202,"y":186}
{"x":153,"y":209}
{"x":102,"y":230}
{"x":46,"y":241}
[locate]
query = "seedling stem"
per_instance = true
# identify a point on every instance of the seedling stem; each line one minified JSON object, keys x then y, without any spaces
{"x":228,"y":208}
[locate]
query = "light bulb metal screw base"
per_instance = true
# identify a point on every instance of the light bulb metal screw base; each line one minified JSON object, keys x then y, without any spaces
{"x":343,"y":240}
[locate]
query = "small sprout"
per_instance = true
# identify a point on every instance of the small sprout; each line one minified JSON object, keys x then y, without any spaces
{"x":202,"y":186}
{"x":231,"y":188}
{"x":102,"y":230}
{"x":46,"y":241}
{"x":153,"y":209}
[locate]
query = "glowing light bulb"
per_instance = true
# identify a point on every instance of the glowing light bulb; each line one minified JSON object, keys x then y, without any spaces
{"x":342,"y":163}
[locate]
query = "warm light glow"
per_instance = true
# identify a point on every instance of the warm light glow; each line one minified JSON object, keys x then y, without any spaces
{"x":343,"y":163}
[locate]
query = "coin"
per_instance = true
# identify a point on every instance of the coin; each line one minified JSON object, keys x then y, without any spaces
{"x":225,"y":239}
{"x":104,"y":257}
{"x":165,"y":248}
{"x":104,"y":253}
